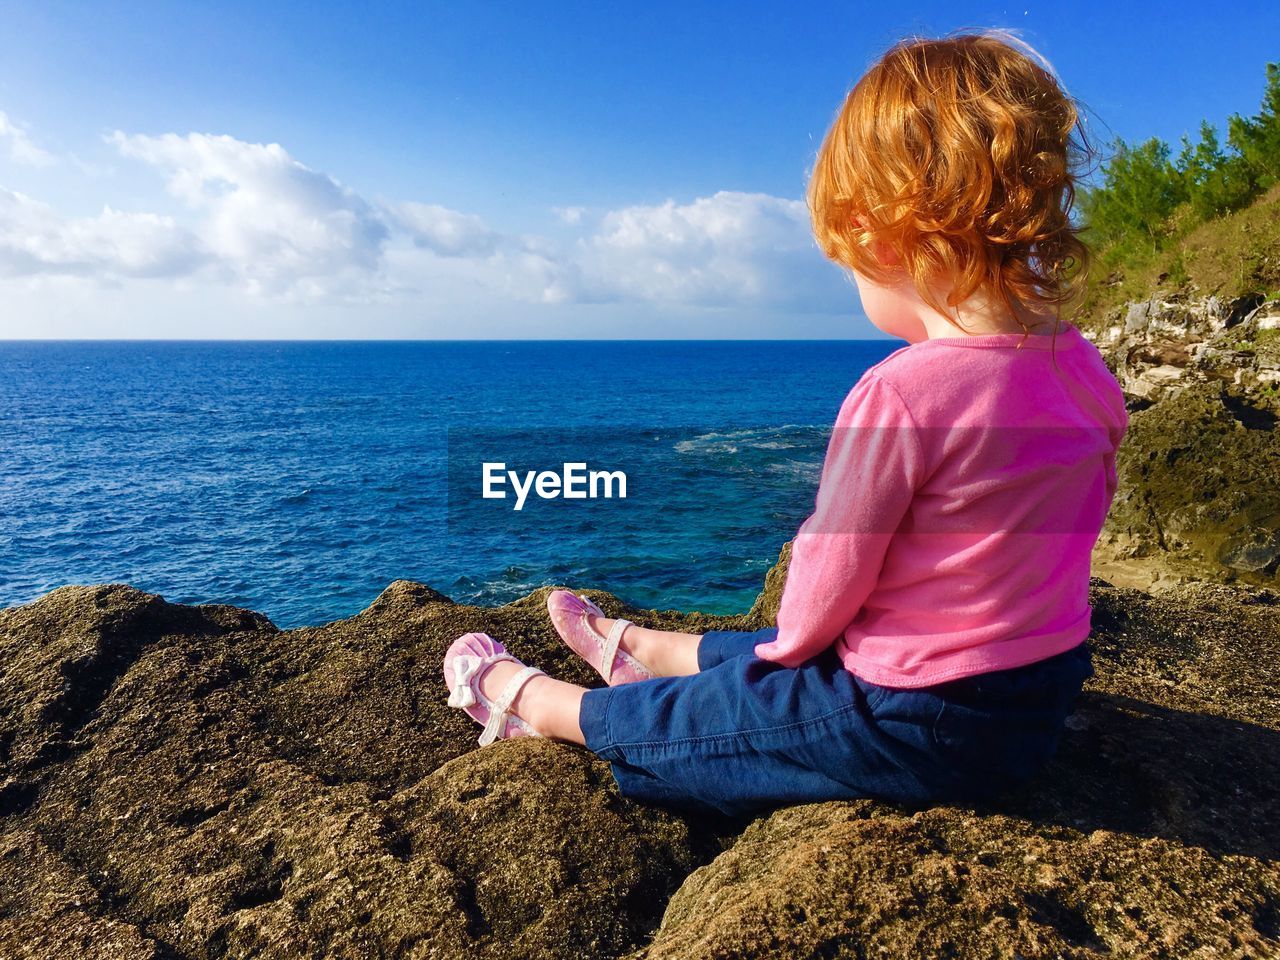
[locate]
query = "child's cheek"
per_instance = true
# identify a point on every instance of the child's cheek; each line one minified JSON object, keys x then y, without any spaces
{"x":890,"y":309}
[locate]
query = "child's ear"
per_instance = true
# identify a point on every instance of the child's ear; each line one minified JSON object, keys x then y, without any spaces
{"x":885,"y":255}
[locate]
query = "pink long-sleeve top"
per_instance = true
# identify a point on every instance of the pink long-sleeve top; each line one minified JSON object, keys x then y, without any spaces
{"x":964,"y":487}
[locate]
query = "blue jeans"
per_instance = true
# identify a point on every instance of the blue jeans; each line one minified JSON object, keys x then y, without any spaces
{"x":745,"y":734}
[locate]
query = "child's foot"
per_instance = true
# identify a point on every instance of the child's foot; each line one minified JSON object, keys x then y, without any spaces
{"x":597,"y":639}
{"x":485,"y":681}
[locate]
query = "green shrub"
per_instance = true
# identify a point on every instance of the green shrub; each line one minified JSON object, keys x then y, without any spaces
{"x":1148,"y":199}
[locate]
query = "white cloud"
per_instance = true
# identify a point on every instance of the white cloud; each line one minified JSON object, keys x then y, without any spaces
{"x":21,"y":149}
{"x":253,"y":219}
{"x":444,"y":231}
{"x":727,"y":249}
{"x":570,"y":215}
{"x":35,"y":240}
{"x":270,"y":221}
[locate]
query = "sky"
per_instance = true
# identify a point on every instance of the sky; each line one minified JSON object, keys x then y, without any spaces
{"x":493,"y":169}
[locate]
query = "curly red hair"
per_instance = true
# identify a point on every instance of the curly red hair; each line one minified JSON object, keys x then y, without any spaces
{"x":960,"y":155}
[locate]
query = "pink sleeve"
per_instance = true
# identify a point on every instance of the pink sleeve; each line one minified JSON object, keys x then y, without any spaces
{"x":873,"y":466}
{"x":1117,"y":433}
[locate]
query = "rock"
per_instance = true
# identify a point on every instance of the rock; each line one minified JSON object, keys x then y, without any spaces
{"x":1199,"y":490}
{"x":861,"y":880}
{"x":65,"y":915}
{"x":206,"y":785}
{"x":190,"y":782}
{"x":65,"y":652}
{"x":1148,"y":836}
{"x":1255,"y":552}
{"x":546,"y":857}
{"x":1243,"y":307}
{"x":1153,"y":381}
{"x":765,"y":610}
{"x":1161,"y":352}
{"x":1137,"y":318}
{"x":1176,"y":317}
{"x":1167,"y":345}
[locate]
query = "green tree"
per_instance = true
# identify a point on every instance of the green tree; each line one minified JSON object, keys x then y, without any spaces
{"x":1257,"y":139}
{"x":1140,"y":190}
{"x":1213,"y":182}
{"x":1145,"y":198}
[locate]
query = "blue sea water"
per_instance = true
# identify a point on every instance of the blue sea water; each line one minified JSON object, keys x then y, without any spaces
{"x":299,"y":479}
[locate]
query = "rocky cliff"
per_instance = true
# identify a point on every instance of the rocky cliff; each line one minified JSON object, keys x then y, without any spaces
{"x":1199,"y":495}
{"x":190,"y":782}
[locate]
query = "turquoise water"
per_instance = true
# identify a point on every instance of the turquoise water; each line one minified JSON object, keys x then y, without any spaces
{"x":299,"y":479}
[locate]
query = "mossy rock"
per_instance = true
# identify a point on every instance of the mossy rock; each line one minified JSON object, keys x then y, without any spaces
{"x":862,"y":880}
{"x":191,"y":782}
{"x":1200,"y":481}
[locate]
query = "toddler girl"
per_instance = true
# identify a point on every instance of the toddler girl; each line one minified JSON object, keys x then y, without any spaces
{"x":931,"y":634}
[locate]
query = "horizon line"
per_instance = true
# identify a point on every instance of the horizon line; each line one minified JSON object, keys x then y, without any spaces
{"x":4,"y":340}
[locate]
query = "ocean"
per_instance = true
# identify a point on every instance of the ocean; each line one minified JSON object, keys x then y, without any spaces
{"x":300,"y":478}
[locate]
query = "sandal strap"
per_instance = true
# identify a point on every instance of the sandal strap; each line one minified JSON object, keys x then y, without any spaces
{"x":466,"y":668}
{"x":609,"y":649}
{"x":502,"y":706}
